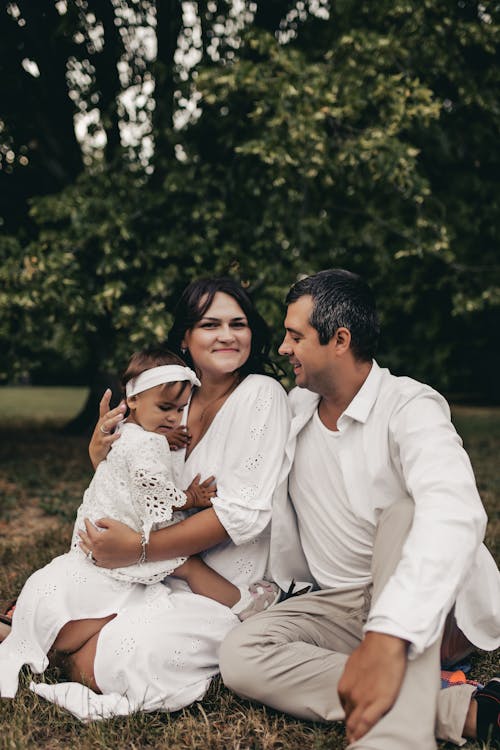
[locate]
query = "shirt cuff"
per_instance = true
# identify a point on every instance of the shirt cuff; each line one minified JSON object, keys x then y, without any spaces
{"x":419,"y":634}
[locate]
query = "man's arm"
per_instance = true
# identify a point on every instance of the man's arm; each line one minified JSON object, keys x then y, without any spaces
{"x":448,"y":524}
{"x":408,"y":614}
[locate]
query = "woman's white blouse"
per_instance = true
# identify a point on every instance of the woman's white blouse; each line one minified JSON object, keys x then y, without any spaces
{"x":243,"y":448}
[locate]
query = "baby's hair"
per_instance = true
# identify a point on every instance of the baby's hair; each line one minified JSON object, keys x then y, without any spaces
{"x":145,"y":359}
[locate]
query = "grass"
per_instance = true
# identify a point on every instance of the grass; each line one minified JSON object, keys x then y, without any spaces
{"x":38,"y":405}
{"x":45,"y":473}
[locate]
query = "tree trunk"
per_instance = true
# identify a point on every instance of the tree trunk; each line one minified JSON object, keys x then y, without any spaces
{"x":53,"y":111}
{"x":107,"y":77}
{"x":168,"y":28}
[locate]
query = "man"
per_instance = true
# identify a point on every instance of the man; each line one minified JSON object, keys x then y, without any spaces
{"x":383,"y":511}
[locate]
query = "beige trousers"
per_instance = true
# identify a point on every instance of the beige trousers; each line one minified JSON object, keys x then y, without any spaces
{"x":292,"y":657}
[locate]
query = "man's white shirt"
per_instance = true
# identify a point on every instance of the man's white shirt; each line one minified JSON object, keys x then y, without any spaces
{"x":395,"y":441}
{"x":336,"y":542}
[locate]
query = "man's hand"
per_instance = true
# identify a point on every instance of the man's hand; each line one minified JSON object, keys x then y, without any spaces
{"x":371,"y":681}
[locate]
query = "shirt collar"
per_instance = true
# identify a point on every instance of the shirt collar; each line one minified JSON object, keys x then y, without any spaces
{"x":362,"y":403}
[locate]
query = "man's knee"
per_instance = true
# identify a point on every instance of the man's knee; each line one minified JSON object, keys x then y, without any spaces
{"x":400,"y":513}
{"x":393,"y":528}
{"x":234,"y":660}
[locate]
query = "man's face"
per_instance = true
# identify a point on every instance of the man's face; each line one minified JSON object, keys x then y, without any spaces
{"x":311,"y":362}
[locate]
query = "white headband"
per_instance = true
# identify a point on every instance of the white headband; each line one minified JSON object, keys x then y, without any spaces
{"x":158,"y":376}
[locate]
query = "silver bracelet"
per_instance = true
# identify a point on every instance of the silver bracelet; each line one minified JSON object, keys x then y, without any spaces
{"x":144,"y":542}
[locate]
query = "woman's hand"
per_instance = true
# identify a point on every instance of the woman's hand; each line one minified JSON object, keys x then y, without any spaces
{"x":113,"y":544}
{"x":178,"y":437}
{"x":103,"y":435}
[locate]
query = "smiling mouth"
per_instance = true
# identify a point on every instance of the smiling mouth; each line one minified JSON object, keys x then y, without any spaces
{"x":224,"y":351}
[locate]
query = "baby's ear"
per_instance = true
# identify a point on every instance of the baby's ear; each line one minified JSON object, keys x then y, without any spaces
{"x":131,"y":402}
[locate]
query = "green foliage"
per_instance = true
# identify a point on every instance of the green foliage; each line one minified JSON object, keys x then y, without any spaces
{"x":331,"y":174}
{"x":300,"y":173}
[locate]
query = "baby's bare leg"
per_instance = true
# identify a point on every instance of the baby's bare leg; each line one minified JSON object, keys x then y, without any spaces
{"x":205,"y":581}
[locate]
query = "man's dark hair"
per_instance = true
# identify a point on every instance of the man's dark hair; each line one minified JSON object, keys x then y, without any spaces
{"x":341,"y":299}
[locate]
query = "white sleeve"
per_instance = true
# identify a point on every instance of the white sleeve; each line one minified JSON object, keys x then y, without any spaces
{"x":253,"y":451}
{"x":448,"y":526}
{"x":154,"y":494}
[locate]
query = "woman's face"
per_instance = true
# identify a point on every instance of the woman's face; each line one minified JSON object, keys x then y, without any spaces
{"x":220,"y":342}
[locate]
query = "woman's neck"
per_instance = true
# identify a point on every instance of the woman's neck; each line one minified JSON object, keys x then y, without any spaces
{"x":214,"y":387}
{"x":206,"y":402}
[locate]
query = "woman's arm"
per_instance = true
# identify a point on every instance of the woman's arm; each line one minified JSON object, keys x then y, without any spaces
{"x":116,"y":545}
{"x":101,"y":439}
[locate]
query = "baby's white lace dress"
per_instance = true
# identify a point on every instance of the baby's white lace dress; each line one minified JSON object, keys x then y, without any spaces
{"x":135,"y":485}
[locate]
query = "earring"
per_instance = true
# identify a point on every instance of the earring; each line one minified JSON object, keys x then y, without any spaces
{"x":183,"y":350}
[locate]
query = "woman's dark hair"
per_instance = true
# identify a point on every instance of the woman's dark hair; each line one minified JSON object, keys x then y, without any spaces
{"x":194,"y":303}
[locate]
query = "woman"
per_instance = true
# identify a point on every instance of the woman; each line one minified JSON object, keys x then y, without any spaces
{"x":165,"y":641}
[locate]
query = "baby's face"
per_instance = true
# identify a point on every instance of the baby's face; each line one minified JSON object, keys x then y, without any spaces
{"x":159,"y":409}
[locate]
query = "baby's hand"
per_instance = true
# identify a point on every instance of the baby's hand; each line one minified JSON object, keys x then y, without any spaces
{"x":178,"y":437}
{"x":199,"y":494}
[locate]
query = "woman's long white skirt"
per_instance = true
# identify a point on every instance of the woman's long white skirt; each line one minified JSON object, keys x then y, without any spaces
{"x":159,"y":653}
